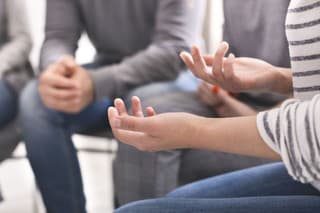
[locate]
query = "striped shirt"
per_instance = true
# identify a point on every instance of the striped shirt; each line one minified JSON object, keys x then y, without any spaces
{"x":293,"y":130}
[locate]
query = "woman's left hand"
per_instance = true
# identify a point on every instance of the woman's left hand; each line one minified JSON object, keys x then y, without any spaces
{"x":153,"y":133}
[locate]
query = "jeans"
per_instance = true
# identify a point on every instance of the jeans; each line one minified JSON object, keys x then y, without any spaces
{"x":8,"y":104}
{"x":52,"y":155}
{"x":9,"y":136}
{"x":260,"y":189}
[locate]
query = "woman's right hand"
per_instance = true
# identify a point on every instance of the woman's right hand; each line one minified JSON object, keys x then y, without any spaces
{"x":235,"y":74}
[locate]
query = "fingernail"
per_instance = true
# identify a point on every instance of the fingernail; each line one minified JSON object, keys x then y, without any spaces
{"x":115,"y":123}
{"x":215,"y":89}
{"x":193,"y":49}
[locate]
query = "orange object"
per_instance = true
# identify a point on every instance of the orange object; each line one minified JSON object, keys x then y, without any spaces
{"x":215,"y":89}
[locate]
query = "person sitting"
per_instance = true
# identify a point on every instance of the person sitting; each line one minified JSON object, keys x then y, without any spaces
{"x":169,"y":169}
{"x":15,"y":70}
{"x":289,"y":133}
{"x":137,"y":43}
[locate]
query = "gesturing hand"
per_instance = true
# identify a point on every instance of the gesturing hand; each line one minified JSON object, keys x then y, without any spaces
{"x":232,"y":74}
{"x":155,"y":132}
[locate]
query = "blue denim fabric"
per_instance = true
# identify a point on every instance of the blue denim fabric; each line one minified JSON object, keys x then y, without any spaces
{"x":8,"y":104}
{"x":52,"y":155}
{"x":262,"y":189}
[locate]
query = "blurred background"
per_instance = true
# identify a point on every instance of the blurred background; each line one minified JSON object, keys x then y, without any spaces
{"x":16,"y":178}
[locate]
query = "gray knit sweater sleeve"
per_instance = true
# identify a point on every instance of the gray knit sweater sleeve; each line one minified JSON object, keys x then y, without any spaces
{"x":174,"y":32}
{"x":15,"y":52}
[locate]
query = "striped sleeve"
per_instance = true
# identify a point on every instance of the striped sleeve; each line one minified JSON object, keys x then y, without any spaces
{"x":293,"y":131}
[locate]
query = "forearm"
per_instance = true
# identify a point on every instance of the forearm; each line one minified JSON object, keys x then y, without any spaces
{"x":62,"y":31}
{"x":53,"y":50}
{"x":232,"y":135}
{"x":156,"y":63}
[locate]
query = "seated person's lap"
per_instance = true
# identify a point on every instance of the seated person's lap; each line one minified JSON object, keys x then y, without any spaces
{"x":91,"y":118}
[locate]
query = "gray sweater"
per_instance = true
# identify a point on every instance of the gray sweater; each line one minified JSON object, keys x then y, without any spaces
{"x":139,"y":40}
{"x":15,"y":42}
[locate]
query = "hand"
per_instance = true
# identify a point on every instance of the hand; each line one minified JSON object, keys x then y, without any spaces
{"x":224,"y":104}
{"x":153,"y":133}
{"x":65,"y":86}
{"x":232,"y":74}
{"x":212,"y":96}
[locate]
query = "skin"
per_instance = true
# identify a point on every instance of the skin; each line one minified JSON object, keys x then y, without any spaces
{"x":66,"y":86}
{"x":222,"y":102}
{"x":160,"y":132}
{"x":181,"y":130}
{"x":238,"y":74}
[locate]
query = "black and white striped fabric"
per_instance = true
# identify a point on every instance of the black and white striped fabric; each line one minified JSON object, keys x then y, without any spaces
{"x":293,"y":130}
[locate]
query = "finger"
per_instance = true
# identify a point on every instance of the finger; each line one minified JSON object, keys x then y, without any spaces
{"x":150,"y":112}
{"x":136,"y":124}
{"x":60,"y":94}
{"x":68,"y":61}
{"x":205,"y":89}
{"x":198,"y":60}
{"x":217,"y":69}
{"x":139,"y":140}
{"x":112,"y":117}
{"x":136,"y":107}
{"x":120,"y":106}
{"x":70,"y":64}
{"x":228,"y":70}
{"x":58,"y":81}
{"x":215,"y":89}
{"x":206,"y":76}
{"x":188,"y":60}
{"x":70,"y":106}
{"x":59,"y":69}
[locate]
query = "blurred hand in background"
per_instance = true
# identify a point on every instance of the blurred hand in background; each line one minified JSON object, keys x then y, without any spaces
{"x":65,"y":86}
{"x":222,"y":102}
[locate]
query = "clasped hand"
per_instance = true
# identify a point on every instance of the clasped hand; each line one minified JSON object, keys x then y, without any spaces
{"x":66,"y":86}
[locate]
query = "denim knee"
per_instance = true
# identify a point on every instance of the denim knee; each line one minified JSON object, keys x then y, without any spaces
{"x":144,"y":206}
{"x":32,"y":111}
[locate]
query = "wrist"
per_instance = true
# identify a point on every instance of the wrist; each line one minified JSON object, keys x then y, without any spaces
{"x":282,"y":81}
{"x":199,"y":128}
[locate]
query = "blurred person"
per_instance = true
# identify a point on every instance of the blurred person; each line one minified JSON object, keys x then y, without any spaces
{"x":137,"y":42}
{"x":289,"y":132}
{"x":15,"y":70}
{"x":251,"y":32}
